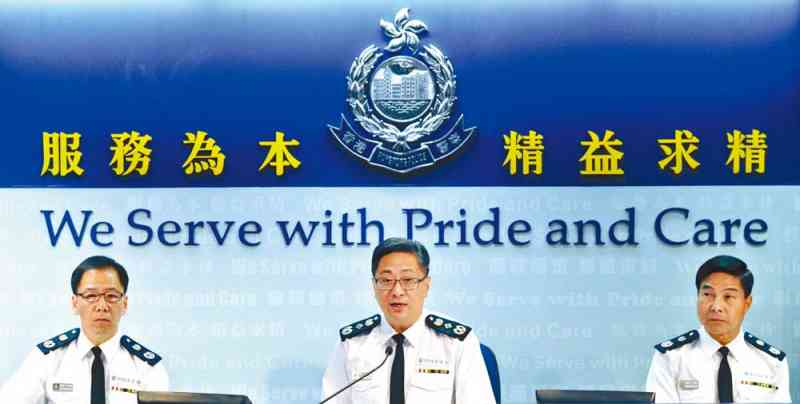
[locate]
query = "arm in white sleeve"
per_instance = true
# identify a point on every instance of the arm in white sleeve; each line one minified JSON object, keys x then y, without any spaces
{"x":335,"y":377}
{"x":158,"y":379}
{"x":27,"y":385}
{"x":785,"y":394}
{"x":661,"y":380}
{"x":472,"y":379}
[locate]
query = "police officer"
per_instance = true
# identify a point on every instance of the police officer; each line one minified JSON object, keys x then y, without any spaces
{"x":92,"y":364}
{"x":433,"y":359}
{"x":720,"y":362}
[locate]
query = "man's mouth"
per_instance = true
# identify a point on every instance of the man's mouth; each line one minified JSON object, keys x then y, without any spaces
{"x":397,"y":306}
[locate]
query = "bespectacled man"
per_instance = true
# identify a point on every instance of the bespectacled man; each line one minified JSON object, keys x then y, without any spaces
{"x":433,"y":360}
{"x":92,"y":364}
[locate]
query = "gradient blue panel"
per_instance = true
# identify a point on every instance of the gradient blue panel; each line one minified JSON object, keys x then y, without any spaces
{"x":242,"y":70}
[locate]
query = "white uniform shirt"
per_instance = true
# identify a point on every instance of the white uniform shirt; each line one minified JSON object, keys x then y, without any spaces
{"x":439,"y":369}
{"x":64,"y":375}
{"x":689,"y":373}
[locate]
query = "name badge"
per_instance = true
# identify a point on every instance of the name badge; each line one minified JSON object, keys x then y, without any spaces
{"x":689,"y":384}
{"x":63,"y":387}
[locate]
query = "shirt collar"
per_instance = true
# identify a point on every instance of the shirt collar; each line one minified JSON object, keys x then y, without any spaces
{"x":710,"y":346}
{"x":738,"y":346}
{"x":109,"y":347}
{"x":413,"y":334}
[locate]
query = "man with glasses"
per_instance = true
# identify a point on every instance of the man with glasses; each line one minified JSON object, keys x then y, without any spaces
{"x":432,"y":359}
{"x":720,"y":363}
{"x":92,"y":364}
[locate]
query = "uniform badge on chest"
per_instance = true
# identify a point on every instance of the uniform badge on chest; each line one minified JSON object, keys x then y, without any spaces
{"x":689,"y":384}
{"x":63,"y":387}
{"x":125,"y":384}
{"x":433,"y":366}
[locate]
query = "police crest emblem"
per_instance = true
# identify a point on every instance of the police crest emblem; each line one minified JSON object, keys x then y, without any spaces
{"x":402,"y":97}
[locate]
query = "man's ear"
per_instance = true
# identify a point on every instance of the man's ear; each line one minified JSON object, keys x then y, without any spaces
{"x":74,"y":304}
{"x":124,"y":305}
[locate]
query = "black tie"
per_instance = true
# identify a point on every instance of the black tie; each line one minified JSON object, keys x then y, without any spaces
{"x":724,"y":380}
{"x":397,"y":384}
{"x":98,"y":377}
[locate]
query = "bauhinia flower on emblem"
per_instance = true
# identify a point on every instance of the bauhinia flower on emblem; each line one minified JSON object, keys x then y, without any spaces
{"x":401,"y":96}
{"x":404,"y":32}
{"x":417,"y":116}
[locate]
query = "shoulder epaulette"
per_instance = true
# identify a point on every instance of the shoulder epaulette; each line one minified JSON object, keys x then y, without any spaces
{"x":678,"y":341}
{"x":59,"y":341}
{"x":361,"y":327}
{"x":764,"y":346}
{"x":447,"y":327}
{"x":139,"y":351}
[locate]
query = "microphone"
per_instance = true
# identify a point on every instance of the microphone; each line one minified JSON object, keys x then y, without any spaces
{"x":388,"y":353}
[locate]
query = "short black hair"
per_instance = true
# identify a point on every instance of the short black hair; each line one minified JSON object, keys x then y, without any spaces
{"x":397,"y":244}
{"x":729,"y":265}
{"x":99,"y":262}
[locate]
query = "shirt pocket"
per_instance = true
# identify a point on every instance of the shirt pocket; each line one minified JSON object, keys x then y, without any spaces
{"x":696,"y":393}
{"x":368,"y":391}
{"x":64,"y":391}
{"x":122,"y":397}
{"x":760,"y":390}
{"x":431,"y":388}
{"x":123,"y":389}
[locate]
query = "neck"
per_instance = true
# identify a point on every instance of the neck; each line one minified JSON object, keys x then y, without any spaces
{"x":401,"y":328}
{"x":98,"y":340}
{"x":725,"y":339}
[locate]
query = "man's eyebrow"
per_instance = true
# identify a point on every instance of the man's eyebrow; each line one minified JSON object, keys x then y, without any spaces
{"x":93,"y":289}
{"x":707,"y":286}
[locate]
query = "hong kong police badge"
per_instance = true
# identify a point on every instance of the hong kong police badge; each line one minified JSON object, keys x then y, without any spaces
{"x":402,"y":97}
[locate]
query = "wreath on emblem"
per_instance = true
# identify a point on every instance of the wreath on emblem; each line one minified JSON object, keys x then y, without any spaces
{"x":404,"y":33}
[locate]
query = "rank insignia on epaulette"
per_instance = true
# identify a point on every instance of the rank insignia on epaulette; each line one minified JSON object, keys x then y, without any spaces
{"x":763,"y":346}
{"x":361,"y":327}
{"x":678,"y":341}
{"x":59,"y":341}
{"x":139,"y":351}
{"x":447,"y":327}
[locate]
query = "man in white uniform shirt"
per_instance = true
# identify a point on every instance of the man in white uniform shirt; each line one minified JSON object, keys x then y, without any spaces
{"x":720,"y":363}
{"x":433,"y":360}
{"x":92,"y":364}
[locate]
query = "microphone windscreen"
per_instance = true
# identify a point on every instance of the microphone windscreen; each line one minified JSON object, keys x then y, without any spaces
{"x":388,"y":351}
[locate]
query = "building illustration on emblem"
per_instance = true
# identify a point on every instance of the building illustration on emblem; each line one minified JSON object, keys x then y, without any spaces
{"x":400,"y":100}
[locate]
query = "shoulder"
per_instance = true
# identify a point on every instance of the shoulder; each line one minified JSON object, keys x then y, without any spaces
{"x":360,"y":327}
{"x":444,"y":326}
{"x":59,"y":341}
{"x":683,"y":340}
{"x":765,"y":347}
{"x":139,"y":351}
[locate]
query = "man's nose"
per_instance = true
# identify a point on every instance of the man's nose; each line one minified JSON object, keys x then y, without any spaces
{"x":397,"y":289}
{"x":716,"y":305}
{"x":102,"y":304}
